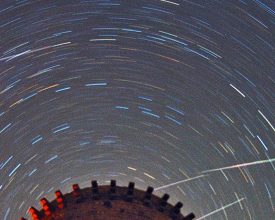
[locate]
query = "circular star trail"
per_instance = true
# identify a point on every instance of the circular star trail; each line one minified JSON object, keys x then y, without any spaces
{"x":174,"y":94}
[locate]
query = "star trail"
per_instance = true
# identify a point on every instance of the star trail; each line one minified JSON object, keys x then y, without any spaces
{"x":174,"y":94}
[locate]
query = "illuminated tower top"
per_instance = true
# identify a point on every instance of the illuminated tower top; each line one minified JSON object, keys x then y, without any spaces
{"x":108,"y":202}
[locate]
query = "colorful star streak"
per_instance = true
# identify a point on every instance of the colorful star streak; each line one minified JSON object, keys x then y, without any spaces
{"x":174,"y":94}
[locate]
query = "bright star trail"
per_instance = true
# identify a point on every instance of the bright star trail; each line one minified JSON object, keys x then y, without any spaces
{"x":178,"y":182}
{"x":174,"y":94}
{"x":241,"y":165}
{"x":220,"y":209}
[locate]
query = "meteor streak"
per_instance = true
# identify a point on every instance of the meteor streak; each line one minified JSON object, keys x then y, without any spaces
{"x":178,"y":182}
{"x":240,"y":165}
{"x":8,"y":58}
{"x":220,"y":209}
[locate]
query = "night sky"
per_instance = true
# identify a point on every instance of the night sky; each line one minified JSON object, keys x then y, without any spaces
{"x":174,"y":94}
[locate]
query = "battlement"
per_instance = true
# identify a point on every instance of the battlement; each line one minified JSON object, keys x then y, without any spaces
{"x":108,"y":202}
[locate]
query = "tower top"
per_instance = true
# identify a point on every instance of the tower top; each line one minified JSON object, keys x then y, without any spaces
{"x":108,"y":202}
